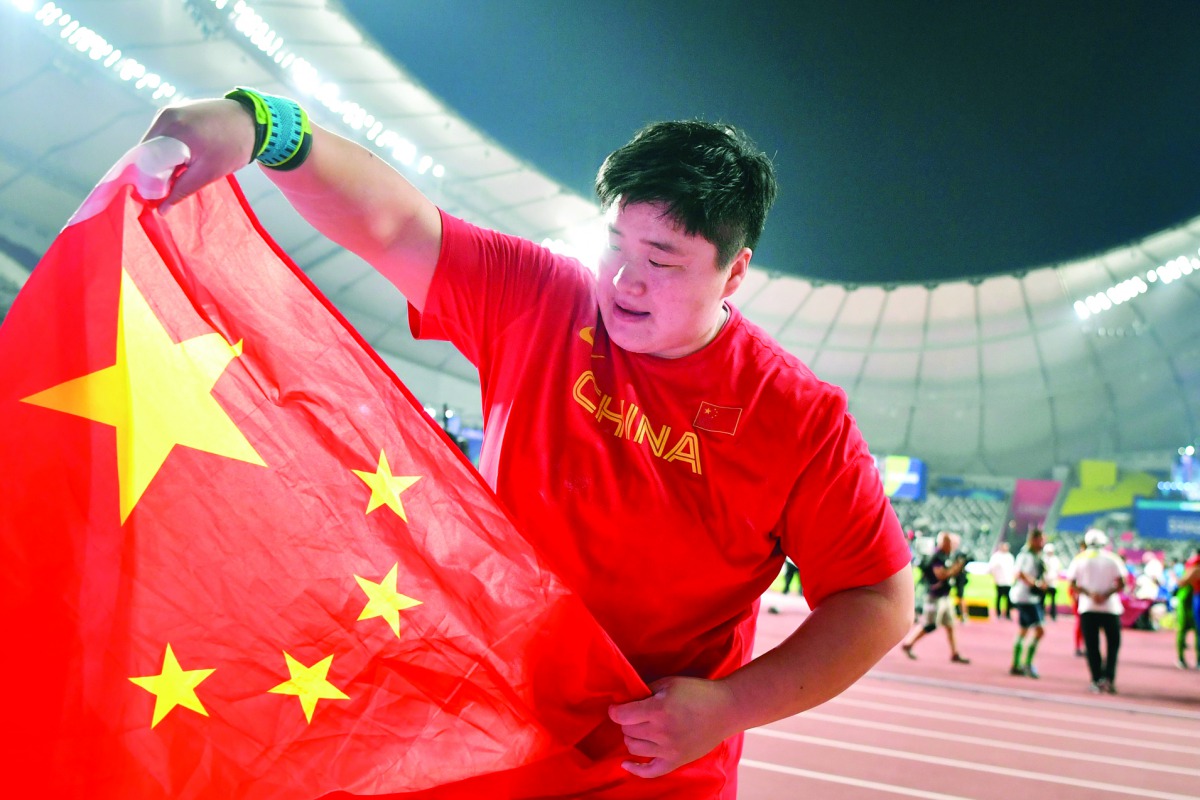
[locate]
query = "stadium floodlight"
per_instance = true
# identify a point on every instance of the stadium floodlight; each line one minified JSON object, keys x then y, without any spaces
{"x":584,"y":243}
{"x":304,"y":76}
{"x":1176,"y":269}
{"x":85,"y":40}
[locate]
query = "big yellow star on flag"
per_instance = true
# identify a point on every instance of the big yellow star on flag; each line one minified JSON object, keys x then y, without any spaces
{"x":158,"y":394}
{"x":309,"y":684}
{"x":174,"y":686}
{"x":385,"y":487}
{"x":384,"y":601}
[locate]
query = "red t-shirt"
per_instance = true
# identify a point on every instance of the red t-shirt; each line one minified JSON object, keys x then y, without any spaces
{"x":664,"y":491}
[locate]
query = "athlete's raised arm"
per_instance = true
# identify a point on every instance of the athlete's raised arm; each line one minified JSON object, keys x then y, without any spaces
{"x":342,"y":189}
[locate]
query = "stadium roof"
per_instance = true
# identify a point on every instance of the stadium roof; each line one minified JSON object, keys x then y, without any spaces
{"x":1001,"y":374}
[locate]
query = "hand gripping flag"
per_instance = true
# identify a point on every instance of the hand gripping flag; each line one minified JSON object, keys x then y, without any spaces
{"x":239,"y":560}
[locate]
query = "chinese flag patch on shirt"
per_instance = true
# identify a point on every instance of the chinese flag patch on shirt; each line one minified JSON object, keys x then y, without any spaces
{"x":718,"y":419}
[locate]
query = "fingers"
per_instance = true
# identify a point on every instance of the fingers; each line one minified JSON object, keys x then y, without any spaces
{"x":659,"y":731}
{"x":644,"y":739}
{"x":191,"y":178}
{"x":184,"y":186}
{"x":635,"y":712}
{"x":642,"y":748}
{"x":653,"y":768}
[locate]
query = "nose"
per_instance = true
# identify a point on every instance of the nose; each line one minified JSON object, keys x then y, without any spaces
{"x":628,"y":280}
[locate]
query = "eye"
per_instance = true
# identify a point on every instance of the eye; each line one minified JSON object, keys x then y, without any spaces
{"x":663,"y":266}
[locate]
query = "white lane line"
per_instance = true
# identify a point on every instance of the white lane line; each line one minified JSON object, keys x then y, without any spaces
{"x":1019,"y":705}
{"x":842,"y":779}
{"x":993,"y":744}
{"x":1136,"y":791}
{"x":1071,"y":733}
{"x":1106,"y":704}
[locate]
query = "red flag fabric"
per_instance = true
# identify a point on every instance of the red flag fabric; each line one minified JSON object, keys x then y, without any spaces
{"x":240,"y":561}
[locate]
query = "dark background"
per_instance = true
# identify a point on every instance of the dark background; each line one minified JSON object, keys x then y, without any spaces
{"x":914,"y":141}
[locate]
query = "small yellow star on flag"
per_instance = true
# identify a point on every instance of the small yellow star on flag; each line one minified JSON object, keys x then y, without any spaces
{"x":174,"y":686}
{"x":309,"y":684}
{"x":384,"y":601}
{"x":385,"y":487}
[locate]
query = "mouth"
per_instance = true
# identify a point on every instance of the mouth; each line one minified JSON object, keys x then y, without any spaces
{"x":629,"y":313}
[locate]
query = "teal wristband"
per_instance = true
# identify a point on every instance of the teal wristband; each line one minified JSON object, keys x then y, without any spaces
{"x":282,"y":131}
{"x":289,"y":137}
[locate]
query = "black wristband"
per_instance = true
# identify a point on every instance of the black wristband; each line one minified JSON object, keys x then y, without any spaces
{"x":260,"y":130}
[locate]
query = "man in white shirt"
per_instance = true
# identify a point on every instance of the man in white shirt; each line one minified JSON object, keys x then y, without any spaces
{"x":1098,"y":576}
{"x":1002,"y":567}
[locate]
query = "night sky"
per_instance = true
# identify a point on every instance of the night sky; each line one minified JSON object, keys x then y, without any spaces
{"x":913,"y":141}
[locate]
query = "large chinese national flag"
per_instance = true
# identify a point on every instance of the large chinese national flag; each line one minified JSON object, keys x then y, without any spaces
{"x":239,"y":561}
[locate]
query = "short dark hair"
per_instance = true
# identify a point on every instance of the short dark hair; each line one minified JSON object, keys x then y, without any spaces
{"x":713,"y":179}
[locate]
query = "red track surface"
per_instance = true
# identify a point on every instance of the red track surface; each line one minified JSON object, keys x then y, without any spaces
{"x":932,"y":729}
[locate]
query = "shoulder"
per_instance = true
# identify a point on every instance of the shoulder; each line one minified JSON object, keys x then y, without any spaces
{"x":782,"y":376}
{"x":758,"y":350}
{"x":468,"y":246}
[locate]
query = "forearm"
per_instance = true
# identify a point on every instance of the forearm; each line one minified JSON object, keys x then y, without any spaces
{"x":834,"y":647}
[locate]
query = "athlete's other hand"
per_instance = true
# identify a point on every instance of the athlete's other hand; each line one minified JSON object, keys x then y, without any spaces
{"x":683,"y":720}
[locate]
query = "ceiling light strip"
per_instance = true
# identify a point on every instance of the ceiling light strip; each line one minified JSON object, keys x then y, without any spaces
{"x":304,"y":76}
{"x":1110,"y":298}
{"x":86,"y":42}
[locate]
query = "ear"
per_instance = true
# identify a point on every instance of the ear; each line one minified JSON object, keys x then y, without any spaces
{"x":737,"y":271}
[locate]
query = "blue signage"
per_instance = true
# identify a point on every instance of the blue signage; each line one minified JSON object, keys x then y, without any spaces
{"x":1166,"y":519}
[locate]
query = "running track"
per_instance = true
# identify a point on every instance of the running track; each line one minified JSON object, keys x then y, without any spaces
{"x":932,"y":729}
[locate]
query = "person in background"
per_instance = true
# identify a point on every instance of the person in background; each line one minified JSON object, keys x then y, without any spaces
{"x":958,"y":584}
{"x":938,"y":573}
{"x":1185,"y":622}
{"x":790,"y":572}
{"x":566,"y":356}
{"x":1028,"y":595}
{"x":1054,"y":568}
{"x":1171,"y":572}
{"x":1098,"y":576}
{"x":1187,"y":611}
{"x":1149,"y":584}
{"x":1002,"y":568}
{"x":1077,"y":633}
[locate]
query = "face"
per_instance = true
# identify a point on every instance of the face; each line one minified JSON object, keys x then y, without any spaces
{"x":661,"y":290}
{"x":1036,"y":543}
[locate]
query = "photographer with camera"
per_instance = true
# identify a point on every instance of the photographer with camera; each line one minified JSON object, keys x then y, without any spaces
{"x":1027,"y":595}
{"x":939,"y":573}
